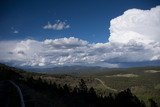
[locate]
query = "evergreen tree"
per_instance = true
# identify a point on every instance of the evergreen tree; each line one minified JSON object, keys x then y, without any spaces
{"x":153,"y":103}
{"x":83,"y":86}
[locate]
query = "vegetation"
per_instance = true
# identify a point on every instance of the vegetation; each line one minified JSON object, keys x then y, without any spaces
{"x":48,"y":90}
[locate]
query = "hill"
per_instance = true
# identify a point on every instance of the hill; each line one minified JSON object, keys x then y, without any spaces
{"x":143,"y":82}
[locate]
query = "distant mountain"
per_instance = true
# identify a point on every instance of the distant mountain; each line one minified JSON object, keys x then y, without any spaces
{"x":84,"y":69}
{"x":76,"y":69}
{"x":69,"y":69}
{"x":140,"y":64}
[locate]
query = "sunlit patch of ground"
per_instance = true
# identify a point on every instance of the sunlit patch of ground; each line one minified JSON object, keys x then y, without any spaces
{"x":104,"y":85}
{"x":157,"y":86}
{"x":123,"y":75}
{"x":151,"y":71}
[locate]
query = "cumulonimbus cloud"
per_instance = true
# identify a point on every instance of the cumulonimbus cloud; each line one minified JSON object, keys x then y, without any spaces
{"x":136,"y":25}
{"x":134,"y":37}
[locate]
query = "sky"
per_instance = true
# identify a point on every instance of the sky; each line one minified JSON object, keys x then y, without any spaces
{"x":108,"y":33}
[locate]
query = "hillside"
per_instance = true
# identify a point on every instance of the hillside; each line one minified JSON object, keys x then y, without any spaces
{"x":143,"y":82}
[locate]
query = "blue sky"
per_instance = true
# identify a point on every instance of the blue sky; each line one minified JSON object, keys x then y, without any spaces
{"x":88,"y":19}
{"x":110,"y":33}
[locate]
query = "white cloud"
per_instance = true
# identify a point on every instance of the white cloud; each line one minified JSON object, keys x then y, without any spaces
{"x":138,"y":25}
{"x":59,"y":25}
{"x":63,"y":51}
{"x":66,"y":42}
{"x":73,"y":51}
{"x":16,"y":31}
{"x":134,"y":38}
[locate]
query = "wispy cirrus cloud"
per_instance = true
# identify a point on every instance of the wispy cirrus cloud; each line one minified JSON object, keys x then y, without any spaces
{"x":58,"y":25}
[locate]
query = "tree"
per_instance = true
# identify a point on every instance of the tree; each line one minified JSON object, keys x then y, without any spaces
{"x":83,"y":86}
{"x":126,"y":98}
{"x":153,"y":103}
